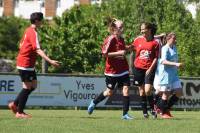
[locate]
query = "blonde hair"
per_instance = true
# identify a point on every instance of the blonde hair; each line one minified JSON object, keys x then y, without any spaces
{"x":170,"y":35}
{"x":112,"y":24}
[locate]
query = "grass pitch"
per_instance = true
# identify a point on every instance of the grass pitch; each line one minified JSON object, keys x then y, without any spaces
{"x":101,"y":121}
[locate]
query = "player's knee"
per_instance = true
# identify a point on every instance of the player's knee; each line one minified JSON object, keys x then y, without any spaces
{"x":148,"y":93}
{"x":125,"y":91}
{"x":108,"y":93}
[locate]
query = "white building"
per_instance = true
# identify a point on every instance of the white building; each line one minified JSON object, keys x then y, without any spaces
{"x":52,"y":8}
{"x":49,"y":8}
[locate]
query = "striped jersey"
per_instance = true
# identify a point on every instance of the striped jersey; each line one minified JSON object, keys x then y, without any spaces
{"x":115,"y":66}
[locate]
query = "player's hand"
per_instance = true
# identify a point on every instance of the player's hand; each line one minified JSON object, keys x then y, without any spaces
{"x":179,"y":65}
{"x":122,"y":52}
{"x":55,"y":63}
{"x":148,"y":72}
{"x":129,"y":48}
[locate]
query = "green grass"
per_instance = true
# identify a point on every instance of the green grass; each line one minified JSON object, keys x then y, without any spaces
{"x":102,"y":121}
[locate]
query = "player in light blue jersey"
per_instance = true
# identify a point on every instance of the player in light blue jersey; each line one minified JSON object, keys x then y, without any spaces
{"x":166,"y":80}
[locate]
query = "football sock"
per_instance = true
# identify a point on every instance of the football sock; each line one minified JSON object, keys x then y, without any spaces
{"x":157,"y":98}
{"x":151,"y":101}
{"x":31,"y":90}
{"x":22,"y":100}
{"x":100,"y":98}
{"x":172,"y":100}
{"x":126,"y":101}
{"x":16,"y":102}
{"x":144,"y":104}
{"x":163,"y":105}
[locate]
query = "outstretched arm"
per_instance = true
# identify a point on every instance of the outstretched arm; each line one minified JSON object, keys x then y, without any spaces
{"x":177,"y":64}
{"x":44,"y":56}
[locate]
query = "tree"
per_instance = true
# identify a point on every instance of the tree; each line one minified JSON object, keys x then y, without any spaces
{"x":11,"y":29}
{"x":75,"y":38}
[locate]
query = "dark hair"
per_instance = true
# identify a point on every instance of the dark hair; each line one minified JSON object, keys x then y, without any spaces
{"x":36,"y":16}
{"x":151,"y":26}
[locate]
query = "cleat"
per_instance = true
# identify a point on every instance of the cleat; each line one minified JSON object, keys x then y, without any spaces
{"x":127,"y":117}
{"x":27,"y":114}
{"x":91,"y":108}
{"x":168,"y":113}
{"x":165,"y":116}
{"x":12,"y":107}
{"x":146,"y":116}
{"x":22,"y":115}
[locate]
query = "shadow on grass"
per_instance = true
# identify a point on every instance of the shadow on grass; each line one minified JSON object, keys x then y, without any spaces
{"x":89,"y":117}
{"x":68,"y":117}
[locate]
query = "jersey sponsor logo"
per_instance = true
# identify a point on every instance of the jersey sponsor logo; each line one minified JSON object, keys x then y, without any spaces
{"x":144,"y":54}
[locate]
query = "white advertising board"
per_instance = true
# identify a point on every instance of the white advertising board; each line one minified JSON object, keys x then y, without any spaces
{"x":80,"y":90}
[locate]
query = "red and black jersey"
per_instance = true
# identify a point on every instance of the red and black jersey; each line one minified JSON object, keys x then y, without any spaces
{"x":115,"y":66}
{"x":145,"y":52}
{"x":27,"y":52}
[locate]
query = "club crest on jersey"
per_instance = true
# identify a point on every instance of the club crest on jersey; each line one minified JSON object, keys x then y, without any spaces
{"x":145,"y":54}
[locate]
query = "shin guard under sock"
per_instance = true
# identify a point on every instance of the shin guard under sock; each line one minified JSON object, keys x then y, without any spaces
{"x":151,"y":101}
{"x":126,"y":102}
{"x":163,"y":106}
{"x":22,"y":100}
{"x":172,"y":100}
{"x":100,"y":98}
{"x":144,"y":104}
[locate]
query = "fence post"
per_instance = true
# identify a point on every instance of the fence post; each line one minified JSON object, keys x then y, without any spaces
{"x":44,"y":65}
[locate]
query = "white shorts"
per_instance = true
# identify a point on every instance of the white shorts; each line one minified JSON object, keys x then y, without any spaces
{"x":156,"y":84}
{"x":171,"y":87}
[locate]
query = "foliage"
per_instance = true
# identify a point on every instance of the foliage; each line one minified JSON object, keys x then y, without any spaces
{"x":75,"y":38}
{"x":11,"y":30}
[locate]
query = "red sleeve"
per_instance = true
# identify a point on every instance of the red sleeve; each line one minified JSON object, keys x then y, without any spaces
{"x":22,"y":40}
{"x":157,"y":50}
{"x":107,"y":45}
{"x":134,"y":44}
{"x":34,"y":40}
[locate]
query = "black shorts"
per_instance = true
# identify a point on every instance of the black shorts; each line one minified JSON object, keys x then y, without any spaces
{"x":121,"y":81}
{"x":27,"y":76}
{"x":140,"y":77}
